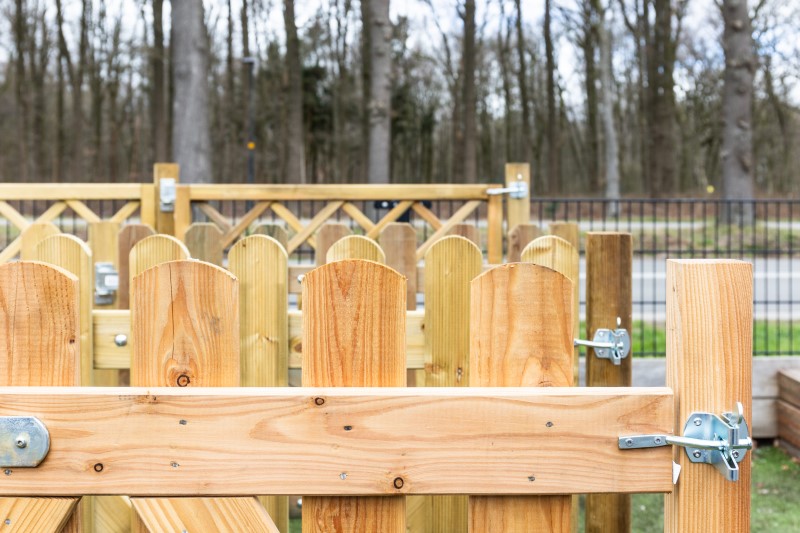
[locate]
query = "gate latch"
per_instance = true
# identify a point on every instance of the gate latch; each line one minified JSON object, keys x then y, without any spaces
{"x":24,"y":441}
{"x":609,"y":344}
{"x":516,"y":190}
{"x":719,"y":441}
{"x":106,"y":283}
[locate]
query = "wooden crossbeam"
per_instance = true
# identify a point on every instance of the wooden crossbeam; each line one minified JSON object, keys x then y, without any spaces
{"x":15,"y":246}
{"x":395,"y":213}
{"x":284,"y":213}
{"x":13,"y":216}
{"x":344,"y":192}
{"x":215,"y":216}
{"x":82,"y":211}
{"x":244,"y":223}
{"x":348,"y":441}
{"x":71,"y":191}
{"x":124,"y":212}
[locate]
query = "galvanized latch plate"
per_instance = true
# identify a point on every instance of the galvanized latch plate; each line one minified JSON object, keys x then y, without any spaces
{"x":609,"y":344}
{"x":106,"y":283}
{"x":516,"y":190}
{"x":24,"y":441}
{"x":708,"y":438}
{"x":167,"y":194}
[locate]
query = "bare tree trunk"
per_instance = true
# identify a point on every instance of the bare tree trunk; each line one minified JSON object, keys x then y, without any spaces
{"x":295,"y":143}
{"x":158,"y":107}
{"x":553,"y":134}
{"x":663,"y":145}
{"x":737,"y":111}
{"x":380,"y":93}
{"x":522,"y":77}
{"x":20,"y":38}
{"x":591,"y":11}
{"x":468,"y":95}
{"x":607,"y":115}
{"x":190,"y":129}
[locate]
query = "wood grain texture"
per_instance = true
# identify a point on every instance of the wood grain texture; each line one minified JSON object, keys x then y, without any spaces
{"x":104,"y":242}
{"x":789,"y":423}
{"x":260,"y":264}
{"x":204,"y":242}
{"x":399,"y":242}
{"x":74,"y":256}
{"x":328,"y":234}
{"x":40,"y":325}
{"x":129,"y":235}
{"x":354,"y":335}
{"x":709,"y":366}
{"x":569,"y":231}
{"x":276,"y":231}
{"x":461,"y":213}
{"x":522,"y":325}
{"x":280,"y":441}
{"x":185,"y":326}
{"x":355,"y":247}
{"x":112,"y":514}
{"x":494,"y":230}
{"x":165,"y":222}
{"x":518,"y":238}
{"x":204,"y":514}
{"x":519,"y":210}
{"x":789,"y":386}
{"x":32,"y":236}
{"x":468,"y":231}
{"x":154,"y":250}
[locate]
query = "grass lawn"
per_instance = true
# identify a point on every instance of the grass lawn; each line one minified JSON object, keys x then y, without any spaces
{"x":775,"y":497}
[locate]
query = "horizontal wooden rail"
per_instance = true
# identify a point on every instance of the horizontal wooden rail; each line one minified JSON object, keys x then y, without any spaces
{"x":71,"y":191}
{"x":347,"y":441}
{"x":339,"y":192}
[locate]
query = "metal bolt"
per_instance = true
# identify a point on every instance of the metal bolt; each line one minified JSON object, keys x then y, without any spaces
{"x":698,"y":422}
{"x":21,"y":442}
{"x":398,"y":483}
{"x":183,"y":380}
{"x":696,"y":454}
{"x":7,"y":471}
{"x":531,"y":478}
{"x":343,"y":475}
{"x":657,"y":440}
{"x":7,"y":521}
{"x":348,"y":428}
{"x":98,"y":467}
{"x":319,"y":401}
{"x":183,"y":422}
{"x":120,"y":339}
{"x":550,"y":424}
{"x":628,"y":442}
{"x":735,"y":454}
{"x":173,"y":464}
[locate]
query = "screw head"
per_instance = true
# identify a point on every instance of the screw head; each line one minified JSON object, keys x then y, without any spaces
{"x":7,"y":471}
{"x":121,"y":340}
{"x":531,"y":478}
{"x":657,"y":440}
{"x":697,"y":422}
{"x":343,"y":475}
{"x":550,"y":424}
{"x":629,"y":442}
{"x":21,"y":442}
{"x":696,"y":454}
{"x":735,"y":454}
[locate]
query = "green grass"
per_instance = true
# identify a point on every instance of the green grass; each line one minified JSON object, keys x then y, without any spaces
{"x":775,"y":498}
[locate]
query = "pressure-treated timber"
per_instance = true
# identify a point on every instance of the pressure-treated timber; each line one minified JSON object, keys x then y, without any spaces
{"x":569,"y":231}
{"x":521,"y":335}
{"x":129,"y":235}
{"x":609,"y":271}
{"x":204,"y":514}
{"x":154,"y":250}
{"x":519,"y":209}
{"x":518,"y":238}
{"x":354,"y":335}
{"x":292,"y":440}
{"x":709,"y":365}
{"x":40,"y":325}
{"x":468,"y":231}
{"x":275,"y":231}
{"x":165,"y":222}
{"x":345,"y":192}
{"x":461,"y":213}
{"x":260,"y":264}
{"x":305,"y":232}
{"x":104,"y":242}
{"x":328,"y":234}
{"x":355,"y":247}
{"x":399,"y":243}
{"x":204,"y":242}
{"x":32,"y":236}
{"x":68,"y":191}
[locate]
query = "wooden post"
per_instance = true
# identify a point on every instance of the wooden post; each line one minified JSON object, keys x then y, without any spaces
{"x":40,"y":323}
{"x":609,"y":266}
{"x":518,"y":238}
{"x":569,"y":231}
{"x":182,"y":218}
{"x":519,"y":210}
{"x":494,"y":230}
{"x":399,"y":242}
{"x":148,"y":208}
{"x":709,"y":366}
{"x":104,"y":242}
{"x":355,"y":247}
{"x":204,"y":242}
{"x":165,"y":222}
{"x":354,"y":336}
{"x":328,"y":234}
{"x":521,"y":326}
{"x":260,"y":263}
{"x":468,"y":231}
{"x":32,"y":236}
{"x":129,"y":235}
{"x":275,"y":231}
{"x":185,"y":324}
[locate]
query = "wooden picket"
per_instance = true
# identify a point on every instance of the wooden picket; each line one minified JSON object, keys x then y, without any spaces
{"x":154,"y":250}
{"x":355,"y":247}
{"x":32,"y":236}
{"x":129,"y":235}
{"x":399,"y":243}
{"x":327,"y":235}
{"x":275,"y":231}
{"x":518,"y":238}
{"x":204,"y":242}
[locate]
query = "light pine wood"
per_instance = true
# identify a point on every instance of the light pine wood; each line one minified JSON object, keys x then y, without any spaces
{"x":104,"y":242}
{"x":42,"y":515}
{"x":557,"y":254}
{"x":214,"y":216}
{"x":522,"y":325}
{"x":275,"y":231}
{"x":260,"y":264}
{"x":519,"y":209}
{"x":204,"y":242}
{"x":427,"y":215}
{"x":149,"y":203}
{"x":280,"y":441}
{"x":11,"y":251}
{"x":244,"y":223}
{"x":360,"y":218}
{"x":185,"y":326}
{"x":399,"y":243}
{"x":74,"y":256}
{"x":32,"y":236}
{"x":461,"y":213}
{"x":83,"y":211}
{"x":569,"y":231}
{"x":204,"y":514}
{"x":154,"y":250}
{"x":106,"y":325}
{"x":319,"y":219}
{"x":112,"y":514}
{"x":61,"y":191}
{"x":494,"y":230}
{"x":355,"y":247}
{"x":390,"y":218}
{"x":518,"y":238}
{"x":294,"y":223}
{"x":129,"y":235}
{"x":328,"y":234}
{"x":709,"y":364}
{"x":182,"y":217}
{"x":40,"y":322}
{"x":468,"y":231}
{"x":609,"y":271}
{"x":165,"y":222}
{"x":125,"y":212}
{"x":345,"y":192}
{"x":13,"y":216}
{"x":354,"y":335}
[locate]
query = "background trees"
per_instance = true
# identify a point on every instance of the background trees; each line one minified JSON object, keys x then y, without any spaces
{"x":636,"y":96}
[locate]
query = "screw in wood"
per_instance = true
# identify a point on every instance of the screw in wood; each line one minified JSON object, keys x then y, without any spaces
{"x":319,"y":401}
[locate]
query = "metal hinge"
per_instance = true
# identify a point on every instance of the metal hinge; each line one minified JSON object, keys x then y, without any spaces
{"x":167,"y":194}
{"x":516,"y":190}
{"x":106,"y":283}
{"x":609,"y":344}
{"x":707,"y":438}
{"x":24,"y":441}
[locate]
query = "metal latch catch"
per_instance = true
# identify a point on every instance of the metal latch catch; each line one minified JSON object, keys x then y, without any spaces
{"x":24,"y":441}
{"x":609,"y":344}
{"x":167,"y":194}
{"x":719,"y":441}
{"x":516,"y":190}
{"x":106,"y":283}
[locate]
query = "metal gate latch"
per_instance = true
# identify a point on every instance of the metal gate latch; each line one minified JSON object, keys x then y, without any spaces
{"x":609,"y":344}
{"x":707,"y":438}
{"x":24,"y":441}
{"x":516,"y":190}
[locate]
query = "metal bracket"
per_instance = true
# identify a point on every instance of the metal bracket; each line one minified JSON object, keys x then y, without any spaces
{"x":516,"y":190}
{"x":24,"y":441}
{"x":609,"y":344}
{"x":167,"y":194}
{"x":719,"y":441}
{"x":106,"y":283}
